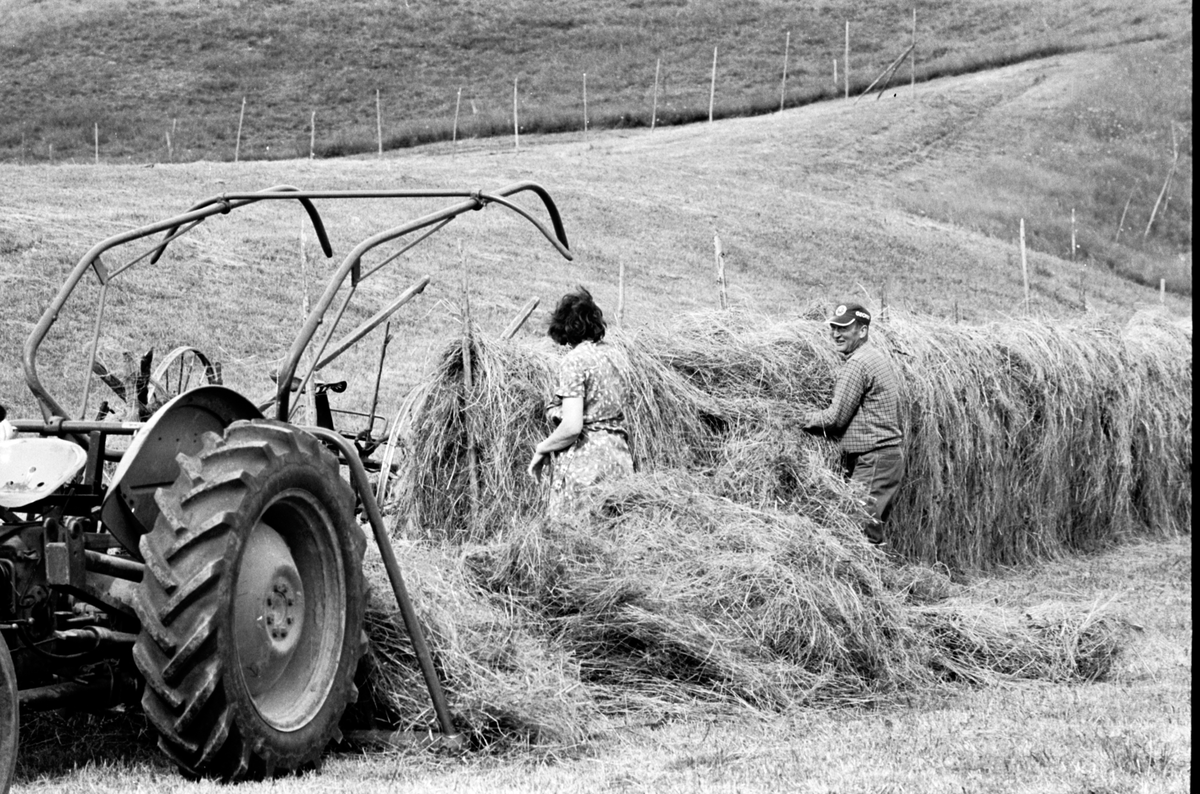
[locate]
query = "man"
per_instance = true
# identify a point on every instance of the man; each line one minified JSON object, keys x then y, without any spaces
{"x":865,"y":414}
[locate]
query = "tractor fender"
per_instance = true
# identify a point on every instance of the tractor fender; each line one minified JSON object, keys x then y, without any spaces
{"x":129,"y":509}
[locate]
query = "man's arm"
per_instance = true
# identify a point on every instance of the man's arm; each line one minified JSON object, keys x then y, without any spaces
{"x":848,"y":392}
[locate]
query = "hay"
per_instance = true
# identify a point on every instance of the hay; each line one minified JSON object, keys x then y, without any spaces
{"x":508,"y":688}
{"x":668,"y":600}
{"x":1023,"y":439}
{"x":730,"y":571}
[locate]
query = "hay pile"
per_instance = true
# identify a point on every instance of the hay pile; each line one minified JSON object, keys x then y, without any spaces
{"x":667,"y":600}
{"x":730,"y":571}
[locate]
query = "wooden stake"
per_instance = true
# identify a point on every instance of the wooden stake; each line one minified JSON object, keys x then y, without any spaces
{"x":720,"y":271}
{"x":312,"y":135}
{"x":516,"y":125}
{"x":170,"y":155}
{"x":468,"y":388}
{"x":1073,"y":246}
{"x":1024,"y":266}
{"x":846,"y":61}
{"x":654,"y":108}
{"x":787,"y":42}
{"x":237,"y":146}
{"x":585,"y":107}
{"x":712,"y":91}
{"x":1170,"y":174}
{"x":1162,"y":291}
{"x":912,"y":57}
{"x":885,"y":75}
{"x":621,"y":295}
{"x":96,"y":132}
{"x":519,"y":320}
{"x":457,"y":105}
{"x":378,"y":123}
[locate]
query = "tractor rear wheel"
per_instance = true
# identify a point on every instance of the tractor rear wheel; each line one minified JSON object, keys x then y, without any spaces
{"x":9,"y":723}
{"x":252,"y":604}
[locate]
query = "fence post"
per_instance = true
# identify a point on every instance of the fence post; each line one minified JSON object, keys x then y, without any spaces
{"x":712,"y":91}
{"x":621,"y":294}
{"x":654,"y":108}
{"x":96,"y":133}
{"x":1024,"y":267}
{"x":237,"y":147}
{"x":516,"y":124}
{"x":720,"y":271}
{"x":454,"y":134}
{"x":1072,"y":234}
{"x":312,"y":135}
{"x":846,"y":61}
{"x":835,"y":77}
{"x":378,"y":123}
{"x":1162,"y":291}
{"x":585,"y":107}
{"x":912,"y":56}
{"x":783,"y":88}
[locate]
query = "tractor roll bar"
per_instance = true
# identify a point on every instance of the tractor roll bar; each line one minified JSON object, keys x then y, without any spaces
{"x":352,"y":265}
{"x":225,"y":203}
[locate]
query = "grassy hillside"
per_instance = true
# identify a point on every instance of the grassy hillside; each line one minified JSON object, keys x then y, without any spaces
{"x":800,"y":220}
{"x":164,"y":81}
{"x":140,"y":69}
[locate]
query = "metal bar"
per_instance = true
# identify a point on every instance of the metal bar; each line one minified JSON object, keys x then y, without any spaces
{"x":362,"y":484}
{"x":87,"y":378}
{"x":387,"y":337}
{"x":312,"y":371}
{"x":157,"y":250}
{"x":119,"y":567}
{"x":97,"y":692}
{"x":69,"y":427}
{"x":374,"y":322}
{"x":405,"y":249}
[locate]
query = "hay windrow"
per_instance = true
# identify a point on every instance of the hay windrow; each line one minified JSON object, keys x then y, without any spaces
{"x":1023,"y":439}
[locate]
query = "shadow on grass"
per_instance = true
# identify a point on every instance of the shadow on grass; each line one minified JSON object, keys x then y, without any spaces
{"x":54,"y":743}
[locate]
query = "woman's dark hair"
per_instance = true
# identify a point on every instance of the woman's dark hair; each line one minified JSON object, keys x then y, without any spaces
{"x":577,"y":318}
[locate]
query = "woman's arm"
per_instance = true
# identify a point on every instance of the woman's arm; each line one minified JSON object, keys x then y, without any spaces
{"x":564,"y":435}
{"x":568,"y":429}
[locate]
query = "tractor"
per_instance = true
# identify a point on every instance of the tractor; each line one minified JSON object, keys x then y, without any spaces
{"x":203,"y":556}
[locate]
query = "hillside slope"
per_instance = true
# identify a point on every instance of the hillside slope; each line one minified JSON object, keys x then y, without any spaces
{"x":814,"y":204}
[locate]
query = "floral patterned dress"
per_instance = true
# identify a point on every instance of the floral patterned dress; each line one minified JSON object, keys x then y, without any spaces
{"x":601,"y":453}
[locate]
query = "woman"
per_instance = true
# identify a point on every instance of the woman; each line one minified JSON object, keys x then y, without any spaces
{"x":589,"y":406}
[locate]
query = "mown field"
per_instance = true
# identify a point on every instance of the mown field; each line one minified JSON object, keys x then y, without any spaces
{"x":911,"y":200}
{"x":1129,"y":734}
{"x":159,"y":81}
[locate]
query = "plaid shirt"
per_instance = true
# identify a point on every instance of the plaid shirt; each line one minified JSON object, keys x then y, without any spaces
{"x":866,"y":404}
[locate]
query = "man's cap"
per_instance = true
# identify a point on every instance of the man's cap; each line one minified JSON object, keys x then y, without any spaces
{"x":847,"y":313}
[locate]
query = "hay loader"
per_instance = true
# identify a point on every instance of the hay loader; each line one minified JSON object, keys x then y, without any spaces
{"x":204,"y":556}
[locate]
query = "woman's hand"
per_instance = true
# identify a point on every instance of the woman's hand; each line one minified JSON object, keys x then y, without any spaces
{"x":537,"y":463}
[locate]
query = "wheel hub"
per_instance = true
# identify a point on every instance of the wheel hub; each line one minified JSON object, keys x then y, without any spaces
{"x":269,"y":611}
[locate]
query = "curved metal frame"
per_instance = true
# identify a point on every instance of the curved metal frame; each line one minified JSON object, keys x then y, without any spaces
{"x":351,"y":265}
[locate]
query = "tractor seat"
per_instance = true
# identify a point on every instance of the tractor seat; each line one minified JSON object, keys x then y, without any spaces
{"x":33,"y":468}
{"x":335,"y":386}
